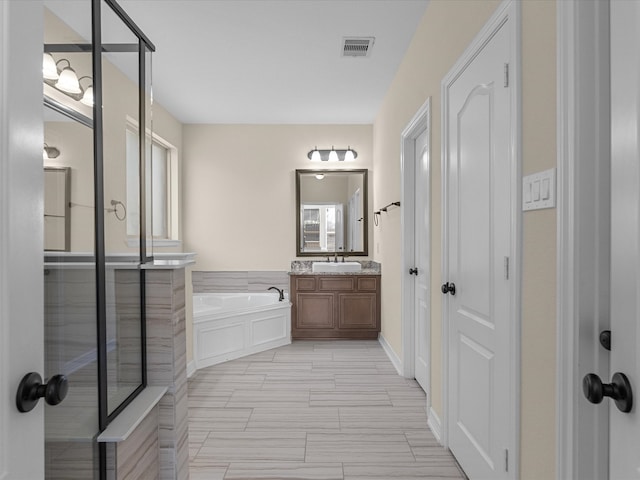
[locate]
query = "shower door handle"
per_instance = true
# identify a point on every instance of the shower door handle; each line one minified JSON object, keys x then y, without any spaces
{"x":31,"y":390}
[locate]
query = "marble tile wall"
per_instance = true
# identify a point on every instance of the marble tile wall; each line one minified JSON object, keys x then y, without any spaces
{"x":166,"y":366}
{"x":137,"y":456}
{"x":238,"y":281}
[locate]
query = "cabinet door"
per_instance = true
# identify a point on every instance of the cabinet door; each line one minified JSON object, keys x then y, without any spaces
{"x":357,"y":310}
{"x":314,"y":310}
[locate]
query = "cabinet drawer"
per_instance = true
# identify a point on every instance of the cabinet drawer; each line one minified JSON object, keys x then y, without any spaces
{"x":305,"y":284}
{"x":367,"y":284}
{"x":343,"y":284}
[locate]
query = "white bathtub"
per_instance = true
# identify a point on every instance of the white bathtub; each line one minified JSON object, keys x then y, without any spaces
{"x":227,"y":326}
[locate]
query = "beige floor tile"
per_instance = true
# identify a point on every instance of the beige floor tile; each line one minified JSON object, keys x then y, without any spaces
{"x":395,"y":471}
{"x":341,"y":398}
{"x":357,"y":448}
{"x":254,"y":446}
{"x":276,"y":398}
{"x":284,"y":470}
{"x":308,"y":419}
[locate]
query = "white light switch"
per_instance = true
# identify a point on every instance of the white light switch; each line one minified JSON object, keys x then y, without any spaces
{"x":539,"y":190}
{"x":544,"y":189}
{"x":536,"y":190}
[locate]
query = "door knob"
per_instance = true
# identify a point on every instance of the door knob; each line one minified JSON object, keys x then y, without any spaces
{"x":605,"y":339}
{"x":619,"y":390}
{"x":448,"y":288}
{"x":31,"y":390}
{"x":413,"y":271}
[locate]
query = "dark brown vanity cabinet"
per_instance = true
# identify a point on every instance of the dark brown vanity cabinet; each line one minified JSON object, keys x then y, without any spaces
{"x":335,"y":306}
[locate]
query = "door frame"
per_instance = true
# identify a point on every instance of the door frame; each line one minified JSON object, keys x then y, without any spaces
{"x":582,"y":112}
{"x":420,"y":122}
{"x":508,"y":10}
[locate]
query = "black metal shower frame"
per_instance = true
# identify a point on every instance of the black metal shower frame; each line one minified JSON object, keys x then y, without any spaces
{"x":143,"y":47}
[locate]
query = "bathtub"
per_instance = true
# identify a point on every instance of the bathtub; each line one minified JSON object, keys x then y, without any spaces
{"x":227,"y":326}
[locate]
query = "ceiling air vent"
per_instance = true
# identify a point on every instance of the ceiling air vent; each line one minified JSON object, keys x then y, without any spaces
{"x":357,"y":46}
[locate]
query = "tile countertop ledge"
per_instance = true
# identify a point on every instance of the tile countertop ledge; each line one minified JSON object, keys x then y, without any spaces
{"x":304,"y":267}
{"x":161,"y":261}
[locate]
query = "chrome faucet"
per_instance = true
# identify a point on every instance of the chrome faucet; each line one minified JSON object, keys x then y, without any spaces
{"x":281,"y":292}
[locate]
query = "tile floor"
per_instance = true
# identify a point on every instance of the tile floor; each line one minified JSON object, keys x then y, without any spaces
{"x":312,"y":410}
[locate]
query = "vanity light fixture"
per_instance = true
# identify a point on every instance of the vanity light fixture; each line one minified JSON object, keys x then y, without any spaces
{"x":332,"y":155}
{"x":66,"y":80}
{"x":49,"y":152}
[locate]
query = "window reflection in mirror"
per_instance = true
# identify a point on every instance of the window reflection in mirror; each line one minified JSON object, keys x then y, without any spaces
{"x":331,"y":206}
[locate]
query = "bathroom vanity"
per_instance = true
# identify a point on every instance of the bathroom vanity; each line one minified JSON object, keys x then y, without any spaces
{"x":335,"y":304}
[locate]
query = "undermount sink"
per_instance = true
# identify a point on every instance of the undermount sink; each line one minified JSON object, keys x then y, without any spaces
{"x":341,"y":267}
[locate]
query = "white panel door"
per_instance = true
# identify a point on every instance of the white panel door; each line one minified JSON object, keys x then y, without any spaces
{"x":624,"y":453}
{"x":21,"y":235}
{"x":422,"y":258}
{"x":478,"y":176}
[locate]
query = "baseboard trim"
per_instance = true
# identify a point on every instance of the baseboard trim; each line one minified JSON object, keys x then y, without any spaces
{"x":433,"y":421}
{"x":191,"y":368}
{"x":393,"y":356}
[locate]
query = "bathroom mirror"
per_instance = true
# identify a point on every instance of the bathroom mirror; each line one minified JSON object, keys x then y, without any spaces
{"x":331,"y":208}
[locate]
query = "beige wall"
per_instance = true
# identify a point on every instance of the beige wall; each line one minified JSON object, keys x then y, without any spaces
{"x":445,"y":31}
{"x":239,"y":195}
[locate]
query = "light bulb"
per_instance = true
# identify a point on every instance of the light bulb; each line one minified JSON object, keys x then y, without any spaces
{"x":49,"y":69}
{"x":315,"y":156}
{"x":87,"y":98}
{"x":68,"y":81}
{"x":319,"y":176}
{"x":348,"y":156}
{"x":333,"y":155}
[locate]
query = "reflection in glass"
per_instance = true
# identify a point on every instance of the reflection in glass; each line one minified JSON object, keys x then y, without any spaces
{"x":331,"y":212}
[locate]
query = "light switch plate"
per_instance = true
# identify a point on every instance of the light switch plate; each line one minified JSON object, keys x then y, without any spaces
{"x":539,"y":190}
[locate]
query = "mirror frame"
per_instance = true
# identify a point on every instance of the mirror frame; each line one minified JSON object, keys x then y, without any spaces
{"x":365,"y":208}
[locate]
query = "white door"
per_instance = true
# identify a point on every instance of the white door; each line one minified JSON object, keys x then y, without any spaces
{"x":422,"y":257}
{"x":624,"y":456}
{"x":21,"y":235}
{"x":478,"y":227}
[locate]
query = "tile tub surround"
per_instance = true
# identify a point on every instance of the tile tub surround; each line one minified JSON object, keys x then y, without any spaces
{"x":312,"y":410}
{"x":304,"y":267}
{"x":238,"y":281}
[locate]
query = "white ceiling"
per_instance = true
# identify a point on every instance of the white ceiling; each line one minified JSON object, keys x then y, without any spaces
{"x":273,"y":61}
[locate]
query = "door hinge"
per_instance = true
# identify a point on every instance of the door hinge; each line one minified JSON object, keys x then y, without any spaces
{"x":506,"y":460}
{"x":506,"y":75}
{"x":506,"y":268}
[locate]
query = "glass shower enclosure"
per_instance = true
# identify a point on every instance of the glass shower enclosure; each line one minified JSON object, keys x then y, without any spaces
{"x":97,"y":86}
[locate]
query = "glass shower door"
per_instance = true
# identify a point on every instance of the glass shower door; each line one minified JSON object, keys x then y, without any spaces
{"x":70,"y":309}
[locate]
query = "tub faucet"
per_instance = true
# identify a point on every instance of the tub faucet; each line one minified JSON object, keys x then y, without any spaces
{"x":281,"y":292}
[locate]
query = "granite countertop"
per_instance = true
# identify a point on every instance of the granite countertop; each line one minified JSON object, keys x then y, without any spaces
{"x":304,"y":267}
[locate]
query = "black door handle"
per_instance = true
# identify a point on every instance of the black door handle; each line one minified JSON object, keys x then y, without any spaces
{"x":448,"y":288}
{"x":605,"y":339}
{"x":413,"y":271}
{"x":31,"y":390}
{"x":619,"y":390}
